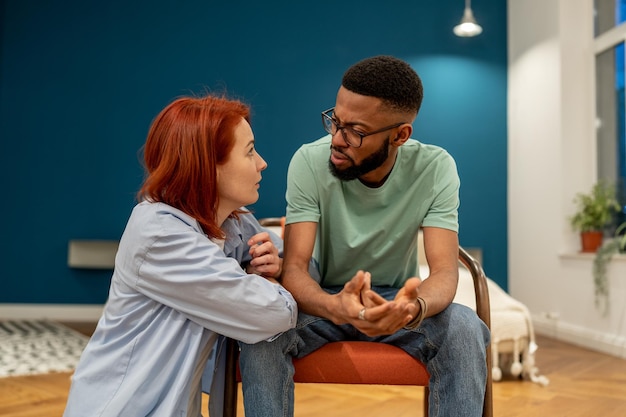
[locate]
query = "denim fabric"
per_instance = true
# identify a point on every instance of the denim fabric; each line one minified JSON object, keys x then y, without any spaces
{"x":452,"y":344}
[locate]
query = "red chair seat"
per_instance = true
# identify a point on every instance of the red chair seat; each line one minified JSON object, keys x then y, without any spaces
{"x":359,"y":363}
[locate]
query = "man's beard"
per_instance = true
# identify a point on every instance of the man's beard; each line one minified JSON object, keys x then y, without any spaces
{"x":369,"y":164}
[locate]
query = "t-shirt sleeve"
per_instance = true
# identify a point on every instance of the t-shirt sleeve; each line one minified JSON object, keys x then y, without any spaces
{"x":302,"y":190}
{"x":443,"y":212}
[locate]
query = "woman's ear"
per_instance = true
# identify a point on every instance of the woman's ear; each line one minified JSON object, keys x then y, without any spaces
{"x":404,"y":133}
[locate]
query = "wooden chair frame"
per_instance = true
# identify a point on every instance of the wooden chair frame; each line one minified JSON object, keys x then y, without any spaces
{"x":482,"y":309}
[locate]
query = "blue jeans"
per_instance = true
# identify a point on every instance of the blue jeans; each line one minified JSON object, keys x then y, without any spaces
{"x":452,"y":344}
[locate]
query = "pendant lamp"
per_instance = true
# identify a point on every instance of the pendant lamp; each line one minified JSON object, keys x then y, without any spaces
{"x":468,"y":26}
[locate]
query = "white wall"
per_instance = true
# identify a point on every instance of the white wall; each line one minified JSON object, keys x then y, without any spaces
{"x":551,"y":157}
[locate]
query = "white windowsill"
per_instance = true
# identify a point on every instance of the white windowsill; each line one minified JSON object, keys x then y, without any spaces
{"x":621,"y":257}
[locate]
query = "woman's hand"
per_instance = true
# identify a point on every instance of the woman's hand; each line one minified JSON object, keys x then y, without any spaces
{"x":265,"y":260}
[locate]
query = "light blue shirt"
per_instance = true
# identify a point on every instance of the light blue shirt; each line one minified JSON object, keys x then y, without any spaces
{"x":173,"y":293}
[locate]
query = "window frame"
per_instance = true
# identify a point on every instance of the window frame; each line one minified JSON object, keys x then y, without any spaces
{"x":605,"y":42}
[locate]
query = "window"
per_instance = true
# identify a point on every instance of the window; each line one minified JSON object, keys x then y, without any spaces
{"x":608,"y":14}
{"x":610,"y":36}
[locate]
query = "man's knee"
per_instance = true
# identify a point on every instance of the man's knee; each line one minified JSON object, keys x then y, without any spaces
{"x":278,"y":346}
{"x":464,"y":321}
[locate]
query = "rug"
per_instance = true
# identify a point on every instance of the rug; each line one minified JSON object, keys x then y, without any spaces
{"x":30,"y":347}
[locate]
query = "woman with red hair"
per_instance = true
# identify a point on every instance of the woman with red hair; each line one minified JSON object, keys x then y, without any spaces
{"x":192,"y":266}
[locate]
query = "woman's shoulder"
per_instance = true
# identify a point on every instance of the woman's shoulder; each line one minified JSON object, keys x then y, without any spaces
{"x":154,"y":220}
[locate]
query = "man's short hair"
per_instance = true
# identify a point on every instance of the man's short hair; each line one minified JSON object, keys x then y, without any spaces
{"x":388,"y":78}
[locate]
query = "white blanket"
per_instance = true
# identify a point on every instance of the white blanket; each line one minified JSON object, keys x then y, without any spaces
{"x":513,"y":344}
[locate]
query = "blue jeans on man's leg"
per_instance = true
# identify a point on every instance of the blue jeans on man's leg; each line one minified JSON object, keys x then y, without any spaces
{"x":452,"y":344}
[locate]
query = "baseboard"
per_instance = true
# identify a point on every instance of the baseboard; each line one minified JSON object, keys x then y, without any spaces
{"x":611,"y":344}
{"x":58,"y":312}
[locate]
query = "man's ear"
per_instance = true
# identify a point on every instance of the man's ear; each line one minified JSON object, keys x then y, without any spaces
{"x":404,"y":133}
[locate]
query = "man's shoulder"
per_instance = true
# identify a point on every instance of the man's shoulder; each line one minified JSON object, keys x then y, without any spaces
{"x":312,"y":156}
{"x":419,"y":155}
{"x":317,"y":147}
{"x":413,"y":146}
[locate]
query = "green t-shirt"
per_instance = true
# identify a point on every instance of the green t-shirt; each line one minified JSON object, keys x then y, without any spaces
{"x":372,"y":229}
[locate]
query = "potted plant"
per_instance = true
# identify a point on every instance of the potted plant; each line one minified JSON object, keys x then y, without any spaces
{"x":603,"y":256}
{"x":595,"y":212}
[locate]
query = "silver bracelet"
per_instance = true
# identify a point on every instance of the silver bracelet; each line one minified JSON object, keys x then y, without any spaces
{"x":421,"y":315}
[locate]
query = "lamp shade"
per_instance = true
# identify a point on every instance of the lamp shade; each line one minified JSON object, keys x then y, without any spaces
{"x":468,"y":26}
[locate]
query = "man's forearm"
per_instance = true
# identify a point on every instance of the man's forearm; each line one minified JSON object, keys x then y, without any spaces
{"x":439,"y":290}
{"x":311,"y":298}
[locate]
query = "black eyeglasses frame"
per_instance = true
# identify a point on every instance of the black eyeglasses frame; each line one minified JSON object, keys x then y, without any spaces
{"x":326,"y":116}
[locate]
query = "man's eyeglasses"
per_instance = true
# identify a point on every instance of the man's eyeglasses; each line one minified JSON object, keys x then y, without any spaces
{"x":350,"y":136}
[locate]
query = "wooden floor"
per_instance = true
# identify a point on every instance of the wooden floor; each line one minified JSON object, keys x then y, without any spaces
{"x":583,"y":383}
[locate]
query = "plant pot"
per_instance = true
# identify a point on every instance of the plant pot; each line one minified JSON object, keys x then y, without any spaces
{"x":591,"y":241}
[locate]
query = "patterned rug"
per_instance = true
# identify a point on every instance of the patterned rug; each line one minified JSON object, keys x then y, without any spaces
{"x":29,"y":347}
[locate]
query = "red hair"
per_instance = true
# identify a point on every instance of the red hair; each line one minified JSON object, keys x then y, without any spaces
{"x":186,"y":142}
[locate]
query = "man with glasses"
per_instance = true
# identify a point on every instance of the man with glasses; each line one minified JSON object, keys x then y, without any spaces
{"x":356,"y":200}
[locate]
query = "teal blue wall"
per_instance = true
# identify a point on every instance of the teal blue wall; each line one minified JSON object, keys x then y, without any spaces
{"x":81,"y":81}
